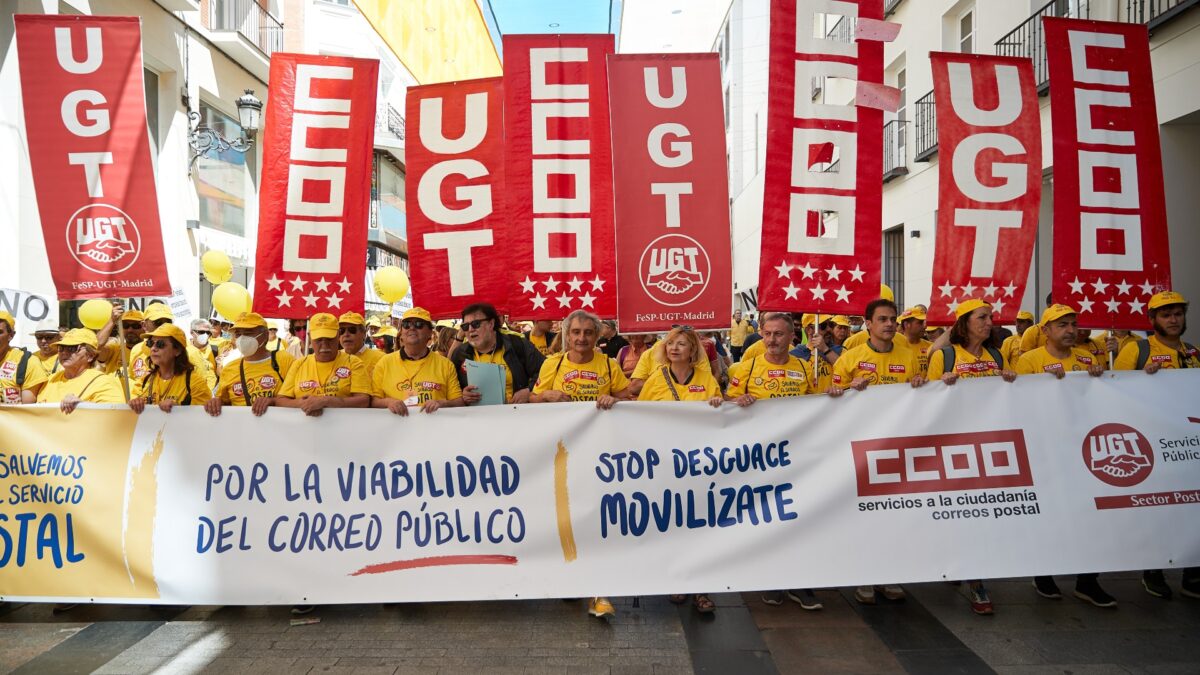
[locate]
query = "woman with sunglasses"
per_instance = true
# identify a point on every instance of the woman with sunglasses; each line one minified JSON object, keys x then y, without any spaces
{"x":676,"y":377}
{"x":173,"y":378}
{"x":76,"y":380}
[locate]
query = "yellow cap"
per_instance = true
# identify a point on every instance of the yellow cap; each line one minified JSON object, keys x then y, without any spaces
{"x":841,"y":320}
{"x":374,"y":321}
{"x":133,"y":315}
{"x":79,"y":336}
{"x":159,"y":311}
{"x":352,"y":318}
{"x":912,"y":313}
{"x":1024,"y":316}
{"x":8,"y":319}
{"x":387,"y":331}
{"x":445,"y":323}
{"x":322,"y":326}
{"x":418,"y":313}
{"x":1164,"y":298}
{"x":965,"y":308}
{"x":172,"y":331}
{"x":1056,"y":312}
{"x":249,"y":321}
{"x":808,"y":320}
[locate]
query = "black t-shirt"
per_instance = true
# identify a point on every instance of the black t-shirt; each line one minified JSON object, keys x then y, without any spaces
{"x":612,"y":346}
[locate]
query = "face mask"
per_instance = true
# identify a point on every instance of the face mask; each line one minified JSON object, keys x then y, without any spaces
{"x":247,"y":345}
{"x":201,"y":340}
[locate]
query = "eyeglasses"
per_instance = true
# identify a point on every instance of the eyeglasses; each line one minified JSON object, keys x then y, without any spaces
{"x":414,"y":324}
{"x":683,"y":327}
{"x":42,"y":338}
{"x":202,"y":332}
{"x":131,"y":325}
{"x":472,"y":325}
{"x":158,"y":344}
{"x":353,"y":330}
{"x":67,"y":350}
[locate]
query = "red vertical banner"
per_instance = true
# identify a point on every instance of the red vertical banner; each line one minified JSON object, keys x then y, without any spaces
{"x":990,"y":182}
{"x":671,"y":190}
{"x":558,"y":164}
{"x":823,"y":187}
{"x":89,"y":148}
{"x":316,"y":185}
{"x":454,"y":157}
{"x":1110,"y":218}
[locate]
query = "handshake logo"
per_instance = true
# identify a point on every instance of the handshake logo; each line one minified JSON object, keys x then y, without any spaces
{"x":1118,"y":455}
{"x":102,"y":238}
{"x":674,"y":270}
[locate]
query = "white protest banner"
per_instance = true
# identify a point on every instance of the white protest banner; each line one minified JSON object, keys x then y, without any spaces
{"x":28,"y":309}
{"x":889,"y":485}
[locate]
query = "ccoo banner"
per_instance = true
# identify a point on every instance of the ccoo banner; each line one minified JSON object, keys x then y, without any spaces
{"x":564,"y":500}
{"x":85,"y":120}
{"x":1111,"y":251}
{"x":454,"y":187}
{"x":559,"y":169}
{"x":316,"y":185}
{"x":672,"y":192}
{"x":990,"y":182}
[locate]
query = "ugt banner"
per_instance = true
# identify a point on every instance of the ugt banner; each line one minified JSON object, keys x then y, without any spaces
{"x":559,"y":167}
{"x":823,"y":196}
{"x":1110,"y":218}
{"x":672,"y":192}
{"x":989,"y":182}
{"x":316,"y":185}
{"x":564,"y":500}
{"x":85,"y":119}
{"x":455,"y":190}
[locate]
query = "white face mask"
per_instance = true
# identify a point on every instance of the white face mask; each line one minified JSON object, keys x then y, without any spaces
{"x":247,"y":345}
{"x":201,"y":340}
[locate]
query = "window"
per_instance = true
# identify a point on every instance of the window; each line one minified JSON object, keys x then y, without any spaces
{"x":966,"y":32}
{"x":221,"y":178}
{"x":902,"y":111}
{"x":150,"y":84}
{"x":893,"y":262}
{"x":393,"y":216}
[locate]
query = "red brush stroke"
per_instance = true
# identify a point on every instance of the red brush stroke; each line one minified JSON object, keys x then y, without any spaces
{"x":437,"y":561}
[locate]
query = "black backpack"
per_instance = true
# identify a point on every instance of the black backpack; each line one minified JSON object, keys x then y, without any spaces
{"x":1144,"y":354}
{"x":22,"y":367}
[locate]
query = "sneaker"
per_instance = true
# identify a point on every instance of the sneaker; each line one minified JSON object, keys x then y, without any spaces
{"x":772,"y":598}
{"x":1156,"y":584}
{"x":805,"y":598}
{"x":601,"y":607}
{"x":302,"y":609}
{"x":865,"y":595}
{"x":981,"y":602}
{"x":1046,"y":588}
{"x":893,"y":592}
{"x":1190,"y":586}
{"x":1090,"y":591}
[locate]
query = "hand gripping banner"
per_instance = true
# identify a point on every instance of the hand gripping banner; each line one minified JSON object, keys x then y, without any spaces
{"x":316,"y":185}
{"x":823,"y":192}
{"x":89,"y":149}
{"x":558,"y":156}
{"x":1111,"y":251}
{"x":672,"y":191}
{"x":456,"y":196}
{"x":989,"y":180}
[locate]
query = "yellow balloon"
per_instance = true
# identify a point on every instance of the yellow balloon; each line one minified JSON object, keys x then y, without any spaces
{"x":886,"y":293}
{"x":217,"y":267}
{"x":95,"y":313}
{"x":391,"y":284}
{"x":231,"y":300}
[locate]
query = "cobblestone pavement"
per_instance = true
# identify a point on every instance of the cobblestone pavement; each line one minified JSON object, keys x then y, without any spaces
{"x":933,"y":632}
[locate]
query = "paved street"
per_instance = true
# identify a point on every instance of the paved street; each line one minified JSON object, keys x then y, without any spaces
{"x":933,"y":632}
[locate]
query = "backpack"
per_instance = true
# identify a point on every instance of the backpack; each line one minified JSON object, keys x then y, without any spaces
{"x":187,"y":399}
{"x":22,"y":367}
{"x":242,"y":373}
{"x":949,"y":354}
{"x":1144,"y":354}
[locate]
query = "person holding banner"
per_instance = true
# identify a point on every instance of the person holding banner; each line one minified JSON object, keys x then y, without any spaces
{"x":46,"y":335}
{"x":173,"y":379}
{"x":327,"y":378}
{"x":78,"y":381}
{"x":820,"y":341}
{"x":1060,"y":354}
{"x":486,"y":343}
{"x":159,"y":314}
{"x":414,"y":375}
{"x":352,"y":335}
{"x":1011,"y":347}
{"x":841,"y":330}
{"x":129,"y":323}
{"x":255,"y":378}
{"x":21,"y":375}
{"x":912,"y":329}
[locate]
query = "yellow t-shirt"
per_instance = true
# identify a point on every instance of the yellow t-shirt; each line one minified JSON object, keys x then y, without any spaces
{"x":581,"y":381}
{"x":921,"y":348}
{"x":431,"y":378}
{"x":1040,"y":361}
{"x":113,"y":363}
{"x":342,"y":377}
{"x":739,"y":331}
{"x":49,"y":363}
{"x":370,"y":357}
{"x":1032,"y":338}
{"x":894,"y":367}
{"x":140,"y":364}
{"x":1159,"y":353}
{"x":155,"y":389}
{"x":701,"y":387}
{"x":497,"y":357}
{"x":762,"y":379}
{"x":755,"y":350}
{"x":261,"y":379}
{"x":647,"y":363}
{"x":1010,"y":349}
{"x":540,"y":342}
{"x":965,"y":363}
{"x":91,"y":385}
{"x":1122,"y":342}
{"x":34,"y":375}
{"x":856,"y":339}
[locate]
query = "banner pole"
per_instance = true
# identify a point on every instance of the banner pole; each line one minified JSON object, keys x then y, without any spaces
{"x":124,"y":369}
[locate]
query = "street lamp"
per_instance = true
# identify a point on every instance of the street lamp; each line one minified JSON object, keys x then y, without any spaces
{"x":204,"y":139}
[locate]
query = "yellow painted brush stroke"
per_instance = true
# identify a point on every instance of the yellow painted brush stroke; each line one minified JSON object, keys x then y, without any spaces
{"x":562,"y":504}
{"x":141,"y":509}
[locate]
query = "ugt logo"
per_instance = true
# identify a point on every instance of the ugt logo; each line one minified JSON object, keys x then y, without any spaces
{"x":674,"y":270}
{"x":1118,"y":454}
{"x":103,"y":238}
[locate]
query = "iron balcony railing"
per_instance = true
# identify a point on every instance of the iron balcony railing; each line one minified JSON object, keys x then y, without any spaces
{"x":890,"y":7}
{"x":843,"y":30}
{"x":1154,"y":13}
{"x":895,"y":161}
{"x":395,"y":122}
{"x":248,"y":18}
{"x":1028,"y":40}
{"x":926,"y":127}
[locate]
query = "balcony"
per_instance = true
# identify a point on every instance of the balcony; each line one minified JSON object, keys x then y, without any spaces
{"x":895,"y":160}
{"x":843,"y":30}
{"x":389,"y":130}
{"x":246,"y":31}
{"x":927,"y":137}
{"x":1029,"y":41}
{"x":890,"y":7}
{"x":1155,"y":13}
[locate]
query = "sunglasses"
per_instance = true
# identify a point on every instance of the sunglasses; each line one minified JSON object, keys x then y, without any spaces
{"x":683,"y":327}
{"x":472,"y":325}
{"x":202,"y":332}
{"x":131,"y":325}
{"x":67,"y":350}
{"x":414,"y":324}
{"x":159,"y":344}
{"x":353,"y":330}
{"x":43,"y":338}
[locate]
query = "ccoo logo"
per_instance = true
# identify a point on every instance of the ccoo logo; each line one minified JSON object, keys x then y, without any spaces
{"x":103,"y":238}
{"x":1118,"y":455}
{"x":674,"y":270}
